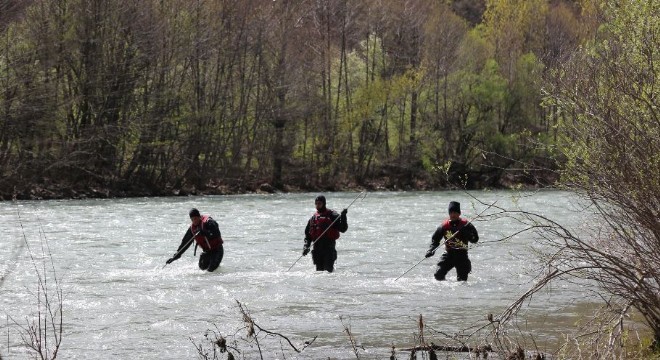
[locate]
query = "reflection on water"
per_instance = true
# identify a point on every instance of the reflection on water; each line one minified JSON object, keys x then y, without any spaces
{"x":120,"y":303}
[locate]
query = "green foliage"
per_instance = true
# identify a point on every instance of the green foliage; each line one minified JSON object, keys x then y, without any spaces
{"x":611,"y":139}
{"x":625,"y":83}
{"x":189,"y":92}
{"x":487,"y":90}
{"x":525,"y":98}
{"x":475,"y":51}
{"x":510,"y":26}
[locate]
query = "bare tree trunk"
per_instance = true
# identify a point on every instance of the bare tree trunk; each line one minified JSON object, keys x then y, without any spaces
{"x":282,"y":84}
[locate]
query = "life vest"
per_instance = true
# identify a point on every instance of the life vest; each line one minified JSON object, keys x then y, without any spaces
{"x":201,"y":240}
{"x":321,"y":221}
{"x":451,"y":242}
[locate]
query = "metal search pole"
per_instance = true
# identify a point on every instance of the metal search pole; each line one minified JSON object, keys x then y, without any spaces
{"x":328,"y":228}
{"x":451,"y":237}
{"x":184,"y":247}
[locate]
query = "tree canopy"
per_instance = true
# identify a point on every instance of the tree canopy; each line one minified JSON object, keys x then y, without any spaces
{"x":152,"y":97}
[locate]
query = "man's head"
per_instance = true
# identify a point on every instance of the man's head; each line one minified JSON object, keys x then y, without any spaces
{"x":454,"y":210}
{"x":195,"y":217}
{"x":320,"y":202}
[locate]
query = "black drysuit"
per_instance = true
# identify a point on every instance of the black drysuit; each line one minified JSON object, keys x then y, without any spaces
{"x":456,"y":248}
{"x":209,"y":259}
{"x":324,"y":253}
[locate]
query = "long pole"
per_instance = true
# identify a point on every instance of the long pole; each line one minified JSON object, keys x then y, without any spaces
{"x":451,"y":237}
{"x":184,"y":247}
{"x":326,"y":229}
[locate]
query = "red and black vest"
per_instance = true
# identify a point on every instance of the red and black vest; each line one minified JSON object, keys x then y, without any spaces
{"x":449,"y":229}
{"x":201,"y":240}
{"x":321,"y":221}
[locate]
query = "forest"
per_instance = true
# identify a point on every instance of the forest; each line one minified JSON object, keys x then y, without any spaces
{"x":118,"y":98}
{"x":108,"y":98}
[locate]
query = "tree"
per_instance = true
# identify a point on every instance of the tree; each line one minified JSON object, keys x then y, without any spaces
{"x":612,"y":134}
{"x":403,"y":43}
{"x":609,"y":102}
{"x":444,"y":35}
{"x":511,"y":26}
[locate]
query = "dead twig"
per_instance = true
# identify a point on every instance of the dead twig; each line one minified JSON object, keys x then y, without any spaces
{"x":43,"y":333}
{"x":351,"y":339}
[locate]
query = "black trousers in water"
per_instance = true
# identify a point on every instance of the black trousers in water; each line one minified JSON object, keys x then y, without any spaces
{"x":210,"y":260}
{"x":324,"y":255}
{"x":458,"y":259}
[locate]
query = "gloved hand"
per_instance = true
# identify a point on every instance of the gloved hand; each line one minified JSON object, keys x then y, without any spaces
{"x":305,"y":250}
{"x":175,"y":257}
{"x":343,"y":212}
{"x":430,"y":253}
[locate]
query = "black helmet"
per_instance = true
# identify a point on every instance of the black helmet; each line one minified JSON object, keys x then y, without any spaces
{"x":320,"y":198}
{"x":193,"y":212}
{"x":455,"y":206}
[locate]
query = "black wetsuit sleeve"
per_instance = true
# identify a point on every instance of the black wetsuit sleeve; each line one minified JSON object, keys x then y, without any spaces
{"x":185,"y":244}
{"x":308,"y":238}
{"x":307,"y":229}
{"x":212,"y":229}
{"x":470,"y":233}
{"x":437,"y":237}
{"x":342,"y":224}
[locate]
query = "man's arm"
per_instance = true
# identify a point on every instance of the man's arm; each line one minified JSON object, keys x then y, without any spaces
{"x":342,"y":224}
{"x":307,"y":229}
{"x":435,"y":241}
{"x":308,"y":240}
{"x":212,"y":229}
{"x":471,"y":233}
{"x":186,"y":241}
{"x":437,"y":237}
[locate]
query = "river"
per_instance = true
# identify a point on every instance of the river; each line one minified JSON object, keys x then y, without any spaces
{"x":119,"y":302}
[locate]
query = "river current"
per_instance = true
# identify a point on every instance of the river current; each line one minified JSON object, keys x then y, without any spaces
{"x":120,"y":303}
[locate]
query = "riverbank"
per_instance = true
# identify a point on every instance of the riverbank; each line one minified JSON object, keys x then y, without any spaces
{"x":50,"y":190}
{"x":59,"y":191}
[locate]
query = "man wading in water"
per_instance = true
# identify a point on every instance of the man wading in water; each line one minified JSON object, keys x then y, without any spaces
{"x":206,"y":233}
{"x":456,"y":232}
{"x":323,"y":230}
